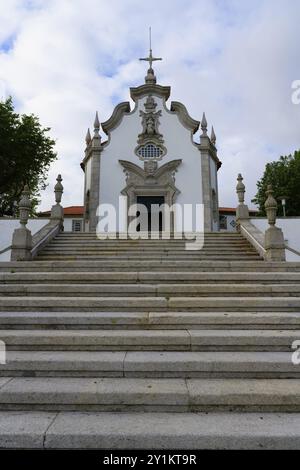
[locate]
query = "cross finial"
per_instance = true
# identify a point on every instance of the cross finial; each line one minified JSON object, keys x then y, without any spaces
{"x":150,"y":74}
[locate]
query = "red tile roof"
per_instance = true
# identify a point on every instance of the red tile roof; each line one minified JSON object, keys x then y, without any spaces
{"x":78,"y":210}
{"x":233,"y":209}
{"x":71,"y":210}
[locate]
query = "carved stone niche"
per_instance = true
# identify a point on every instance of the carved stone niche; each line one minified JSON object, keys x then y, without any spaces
{"x":150,"y":140}
{"x":151,"y":181}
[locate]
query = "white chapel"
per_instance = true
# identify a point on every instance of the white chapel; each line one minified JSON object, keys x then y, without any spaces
{"x":151,"y":156}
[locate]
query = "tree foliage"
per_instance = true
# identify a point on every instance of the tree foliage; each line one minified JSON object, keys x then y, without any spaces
{"x":284,"y":176}
{"x":26,"y":152}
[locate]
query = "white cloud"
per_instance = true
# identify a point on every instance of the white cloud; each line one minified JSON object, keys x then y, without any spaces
{"x":236,"y":60}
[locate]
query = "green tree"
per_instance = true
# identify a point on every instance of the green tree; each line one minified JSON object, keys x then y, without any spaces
{"x":26,"y":152}
{"x":284,"y":175}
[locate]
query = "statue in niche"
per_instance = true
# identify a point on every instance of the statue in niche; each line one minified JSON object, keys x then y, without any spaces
{"x":150,"y":104}
{"x":150,"y":123}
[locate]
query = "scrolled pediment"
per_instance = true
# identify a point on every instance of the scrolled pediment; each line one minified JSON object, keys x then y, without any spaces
{"x":116,"y":117}
{"x":150,"y":89}
{"x":184,"y":116}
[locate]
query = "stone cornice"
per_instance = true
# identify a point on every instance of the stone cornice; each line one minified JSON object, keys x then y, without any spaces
{"x":90,"y":151}
{"x":116,"y":117}
{"x":150,"y":89}
{"x":184,"y":116}
{"x":211,"y":149}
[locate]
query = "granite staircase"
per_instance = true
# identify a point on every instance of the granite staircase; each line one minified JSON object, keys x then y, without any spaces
{"x":143,"y":344}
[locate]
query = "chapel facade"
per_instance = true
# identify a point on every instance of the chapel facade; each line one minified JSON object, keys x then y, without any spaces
{"x":151,"y":156}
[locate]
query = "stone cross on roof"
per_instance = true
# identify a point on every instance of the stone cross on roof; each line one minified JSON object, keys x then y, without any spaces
{"x":150,"y":74}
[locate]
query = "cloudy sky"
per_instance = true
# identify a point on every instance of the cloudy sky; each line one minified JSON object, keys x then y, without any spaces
{"x":234,"y":59}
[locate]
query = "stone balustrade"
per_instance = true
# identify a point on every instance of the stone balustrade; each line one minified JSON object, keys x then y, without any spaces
{"x":270,"y":245}
{"x":24,"y":246}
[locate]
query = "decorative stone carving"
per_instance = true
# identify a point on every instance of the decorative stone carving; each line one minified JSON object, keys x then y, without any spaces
{"x":138,"y":178}
{"x":150,"y":104}
{"x":22,"y":238}
{"x":271,"y":206}
{"x":58,"y":189}
{"x":138,"y":92}
{"x":274,"y":239}
{"x":242,"y":211}
{"x":57,"y":211}
{"x":150,"y":140}
{"x":150,"y":181}
{"x":88,"y":137}
{"x":24,"y":206}
{"x":150,"y":123}
{"x":150,"y":167}
{"x":204,"y":125}
{"x":96,"y":125}
{"x":240,"y":189}
{"x":213,"y":137}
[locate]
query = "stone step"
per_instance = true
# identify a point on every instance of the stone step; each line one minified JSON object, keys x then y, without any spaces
{"x":173,"y":236}
{"x":143,"y":248}
{"x":148,"y":245}
{"x":150,"y":340}
{"x":147,"y":364}
{"x":145,"y":254}
{"x":158,"y":245}
{"x":149,"y":249}
{"x":145,"y":257}
{"x":98,"y":248}
{"x":237,"y":304}
{"x":82,"y":303}
{"x":150,"y":320}
{"x":141,"y":259}
{"x":144,"y":289}
{"x":144,"y":277}
{"x":155,"y":252}
{"x":138,"y":243}
{"x":148,"y":395}
{"x":139,"y":430}
{"x":217,"y":235}
{"x":153,"y":266}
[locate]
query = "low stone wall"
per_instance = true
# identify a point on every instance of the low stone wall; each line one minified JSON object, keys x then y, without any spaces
{"x":291,"y":231}
{"x":7,"y":227}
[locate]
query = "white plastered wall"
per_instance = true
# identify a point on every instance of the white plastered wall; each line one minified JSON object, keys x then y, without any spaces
{"x":177,"y":140}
